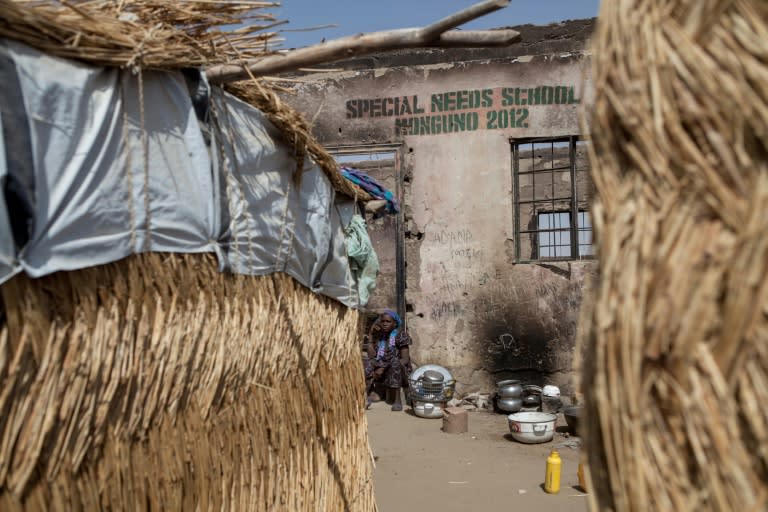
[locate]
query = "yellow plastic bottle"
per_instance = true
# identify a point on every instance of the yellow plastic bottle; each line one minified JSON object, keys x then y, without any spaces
{"x":552,"y":476}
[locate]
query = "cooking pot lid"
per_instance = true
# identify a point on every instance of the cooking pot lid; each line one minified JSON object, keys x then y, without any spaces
{"x":419,"y":372}
{"x":434,"y":376}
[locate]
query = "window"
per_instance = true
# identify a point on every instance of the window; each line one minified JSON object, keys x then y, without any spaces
{"x":554,"y":231}
{"x":554,"y":234}
{"x":551,"y":187}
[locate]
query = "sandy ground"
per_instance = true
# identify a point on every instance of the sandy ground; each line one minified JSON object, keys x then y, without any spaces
{"x":421,"y":468}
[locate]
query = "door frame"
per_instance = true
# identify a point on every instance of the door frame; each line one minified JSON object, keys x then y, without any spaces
{"x":399,"y":151}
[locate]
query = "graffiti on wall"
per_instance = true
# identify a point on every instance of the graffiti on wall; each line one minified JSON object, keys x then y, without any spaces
{"x":465,"y":110}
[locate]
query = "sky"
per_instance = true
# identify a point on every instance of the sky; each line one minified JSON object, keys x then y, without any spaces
{"x":354,"y":16}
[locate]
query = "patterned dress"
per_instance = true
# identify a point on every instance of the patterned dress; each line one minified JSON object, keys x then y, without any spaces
{"x":395,"y":374}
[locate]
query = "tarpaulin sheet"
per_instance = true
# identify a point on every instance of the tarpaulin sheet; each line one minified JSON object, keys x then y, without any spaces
{"x":277,"y":223}
{"x":119,"y":164}
{"x":8,"y":264}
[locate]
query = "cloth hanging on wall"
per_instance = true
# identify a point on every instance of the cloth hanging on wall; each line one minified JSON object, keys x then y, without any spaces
{"x":372,"y":187}
{"x":362,"y":256}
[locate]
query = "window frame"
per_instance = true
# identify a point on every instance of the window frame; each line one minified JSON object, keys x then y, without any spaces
{"x":574,"y":208}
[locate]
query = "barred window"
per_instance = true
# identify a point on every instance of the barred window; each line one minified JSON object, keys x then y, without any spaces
{"x":551,"y":194}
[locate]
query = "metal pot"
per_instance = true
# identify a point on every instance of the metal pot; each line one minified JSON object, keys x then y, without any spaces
{"x":572,"y":417}
{"x":510,"y":389}
{"x":531,"y":395}
{"x":532,"y":400}
{"x":509,"y":404}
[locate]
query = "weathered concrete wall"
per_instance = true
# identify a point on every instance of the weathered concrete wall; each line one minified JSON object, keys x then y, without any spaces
{"x":471,"y":308}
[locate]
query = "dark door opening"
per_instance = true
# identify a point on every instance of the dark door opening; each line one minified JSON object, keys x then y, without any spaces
{"x":384,"y":164}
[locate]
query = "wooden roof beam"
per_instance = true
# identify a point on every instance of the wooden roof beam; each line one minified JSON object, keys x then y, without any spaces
{"x":437,"y":35}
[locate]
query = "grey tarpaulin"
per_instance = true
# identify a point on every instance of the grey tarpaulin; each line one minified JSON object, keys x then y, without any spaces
{"x":98,"y":196}
{"x":8,"y":264}
{"x":275,"y":225}
{"x":95,"y":199}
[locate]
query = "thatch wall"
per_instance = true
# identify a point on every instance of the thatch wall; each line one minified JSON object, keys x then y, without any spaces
{"x":158,"y":383}
{"x":676,"y":339}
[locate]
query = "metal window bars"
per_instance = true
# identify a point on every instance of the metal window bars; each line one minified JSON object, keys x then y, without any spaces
{"x":551,"y":193}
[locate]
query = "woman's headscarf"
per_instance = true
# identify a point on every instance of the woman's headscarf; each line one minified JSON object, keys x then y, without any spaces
{"x":394,"y":316}
{"x":392,"y":335}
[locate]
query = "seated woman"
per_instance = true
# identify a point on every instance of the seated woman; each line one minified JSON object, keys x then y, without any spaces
{"x":388,"y":359}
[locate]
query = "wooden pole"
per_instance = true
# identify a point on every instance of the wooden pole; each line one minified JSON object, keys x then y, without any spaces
{"x":433,"y":35}
{"x":476,"y":38}
{"x":454,"y":20}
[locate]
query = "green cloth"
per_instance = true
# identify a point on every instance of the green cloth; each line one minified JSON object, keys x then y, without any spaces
{"x":362,"y":258}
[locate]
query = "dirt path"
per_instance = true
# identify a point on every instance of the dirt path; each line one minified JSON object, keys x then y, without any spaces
{"x":420,"y":468}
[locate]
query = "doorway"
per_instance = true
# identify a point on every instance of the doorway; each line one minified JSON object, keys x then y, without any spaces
{"x":384,"y":163}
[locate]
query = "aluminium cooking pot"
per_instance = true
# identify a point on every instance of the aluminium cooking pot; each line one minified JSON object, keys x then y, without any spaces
{"x":509,"y":404}
{"x":510,"y":388}
{"x":532,"y":400}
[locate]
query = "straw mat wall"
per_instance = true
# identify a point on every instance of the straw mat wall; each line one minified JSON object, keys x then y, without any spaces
{"x":158,"y":383}
{"x":676,"y":339}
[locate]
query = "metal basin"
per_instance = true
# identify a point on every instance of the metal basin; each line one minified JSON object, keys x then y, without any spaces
{"x":532,"y":427}
{"x":428,"y":409}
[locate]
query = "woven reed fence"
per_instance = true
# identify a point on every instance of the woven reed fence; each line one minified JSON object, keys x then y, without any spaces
{"x":158,"y":383}
{"x":676,"y":339}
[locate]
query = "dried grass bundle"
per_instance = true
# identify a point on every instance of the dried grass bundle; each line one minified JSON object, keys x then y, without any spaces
{"x":150,"y":34}
{"x":158,"y":383}
{"x":676,"y":340}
